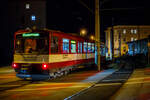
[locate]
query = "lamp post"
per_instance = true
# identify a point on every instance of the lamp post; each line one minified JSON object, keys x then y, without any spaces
{"x":97,"y":31}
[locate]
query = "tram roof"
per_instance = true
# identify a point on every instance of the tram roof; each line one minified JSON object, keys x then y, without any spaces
{"x":53,"y":31}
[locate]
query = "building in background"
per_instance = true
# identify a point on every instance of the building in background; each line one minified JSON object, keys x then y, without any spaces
{"x":108,"y":43}
{"x":27,"y":13}
{"x":117,"y":38}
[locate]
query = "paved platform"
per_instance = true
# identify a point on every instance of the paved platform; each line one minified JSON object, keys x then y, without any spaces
{"x":99,"y":76}
{"x":136,"y":88}
{"x":92,"y":92}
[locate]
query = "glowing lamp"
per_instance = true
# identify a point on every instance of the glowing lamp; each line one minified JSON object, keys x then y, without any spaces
{"x":92,"y":37}
{"x":14,"y":65}
{"x":83,"y":32}
{"x":44,"y":66}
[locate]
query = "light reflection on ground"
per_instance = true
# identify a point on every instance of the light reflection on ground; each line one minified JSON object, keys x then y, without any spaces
{"x":55,"y":89}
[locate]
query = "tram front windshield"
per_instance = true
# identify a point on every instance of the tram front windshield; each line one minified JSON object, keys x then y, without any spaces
{"x":32,"y":43}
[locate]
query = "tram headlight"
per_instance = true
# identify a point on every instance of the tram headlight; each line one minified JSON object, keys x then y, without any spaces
{"x":44,"y":66}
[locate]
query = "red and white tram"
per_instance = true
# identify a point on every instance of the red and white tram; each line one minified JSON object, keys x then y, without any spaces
{"x":42,"y":54}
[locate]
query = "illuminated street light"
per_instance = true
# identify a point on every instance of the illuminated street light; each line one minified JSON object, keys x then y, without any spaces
{"x":92,"y":37}
{"x":83,"y":32}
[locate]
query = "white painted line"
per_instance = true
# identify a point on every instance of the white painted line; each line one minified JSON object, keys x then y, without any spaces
{"x":107,"y":84}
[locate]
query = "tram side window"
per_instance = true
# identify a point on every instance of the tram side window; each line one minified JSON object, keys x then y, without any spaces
{"x":54,"y":44}
{"x":79,"y":47}
{"x":89,"y":48}
{"x":65,"y":45}
{"x":85,"y":47}
{"x":93,"y":48}
{"x":73,"y":46}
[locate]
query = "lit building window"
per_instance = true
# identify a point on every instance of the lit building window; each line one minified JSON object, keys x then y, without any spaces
{"x":135,"y":39}
{"x":135,"y":31}
{"x":124,"y":31}
{"x":132,"y":31}
{"x":132,"y":39}
{"x":33,"y":18}
{"x":27,"y":6}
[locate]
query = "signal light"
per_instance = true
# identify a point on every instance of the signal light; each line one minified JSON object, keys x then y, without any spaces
{"x":14,"y":65}
{"x":44,"y":66}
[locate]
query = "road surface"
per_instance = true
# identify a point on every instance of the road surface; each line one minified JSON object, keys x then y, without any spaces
{"x":13,"y":88}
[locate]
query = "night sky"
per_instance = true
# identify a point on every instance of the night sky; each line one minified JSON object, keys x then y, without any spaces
{"x":72,"y":15}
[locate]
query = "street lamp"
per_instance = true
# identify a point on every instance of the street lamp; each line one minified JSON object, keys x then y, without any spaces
{"x":92,"y":37}
{"x":83,"y":32}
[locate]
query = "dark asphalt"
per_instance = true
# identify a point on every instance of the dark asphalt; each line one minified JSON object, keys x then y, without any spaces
{"x":14,"y":84}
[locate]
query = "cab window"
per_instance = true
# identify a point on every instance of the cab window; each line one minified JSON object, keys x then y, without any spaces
{"x":54,"y":44}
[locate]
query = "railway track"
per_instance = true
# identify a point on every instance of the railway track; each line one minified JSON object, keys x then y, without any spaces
{"x":105,"y":88}
{"x":119,"y":76}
